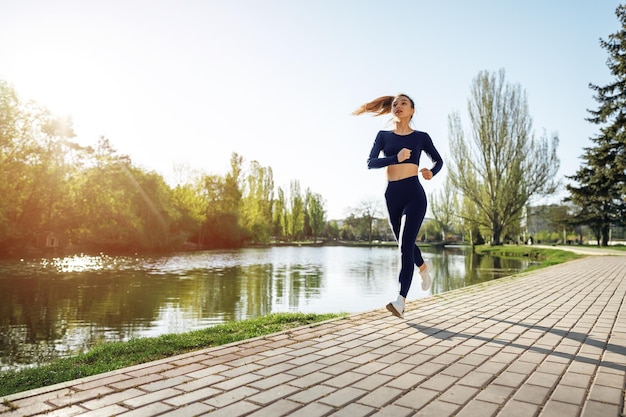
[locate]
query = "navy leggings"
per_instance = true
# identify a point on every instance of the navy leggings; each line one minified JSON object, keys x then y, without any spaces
{"x":406,"y":197}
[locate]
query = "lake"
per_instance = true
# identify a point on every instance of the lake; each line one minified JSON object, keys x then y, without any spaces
{"x":54,"y":307}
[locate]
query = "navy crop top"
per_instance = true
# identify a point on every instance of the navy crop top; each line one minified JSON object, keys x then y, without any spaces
{"x":390,"y":144}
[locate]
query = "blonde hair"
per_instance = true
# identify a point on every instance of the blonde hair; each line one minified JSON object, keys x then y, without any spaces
{"x":381,"y":105}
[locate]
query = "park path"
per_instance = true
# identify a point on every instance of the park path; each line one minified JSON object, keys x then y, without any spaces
{"x":548,"y":343}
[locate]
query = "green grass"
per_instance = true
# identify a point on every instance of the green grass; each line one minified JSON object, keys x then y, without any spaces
{"x":115,"y":355}
{"x":547,"y":257}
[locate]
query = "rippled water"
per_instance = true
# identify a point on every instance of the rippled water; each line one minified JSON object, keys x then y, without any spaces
{"x":54,"y":307}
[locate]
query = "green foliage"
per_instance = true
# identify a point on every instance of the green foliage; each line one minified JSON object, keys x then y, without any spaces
{"x":315,"y":214}
{"x":547,"y":257}
{"x":599,"y":188}
{"x":502,"y":165}
{"x":92,"y":199}
{"x":111,"y":356}
{"x":445,"y":207}
{"x":256,"y":215}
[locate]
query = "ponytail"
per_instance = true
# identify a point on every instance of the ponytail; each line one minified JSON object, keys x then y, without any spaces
{"x":380,"y":106}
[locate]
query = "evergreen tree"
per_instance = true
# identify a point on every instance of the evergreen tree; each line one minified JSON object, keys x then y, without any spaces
{"x":600,"y":193}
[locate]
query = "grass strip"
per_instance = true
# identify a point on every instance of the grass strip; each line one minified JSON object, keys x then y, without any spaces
{"x":546,"y":257}
{"x":109,"y":356}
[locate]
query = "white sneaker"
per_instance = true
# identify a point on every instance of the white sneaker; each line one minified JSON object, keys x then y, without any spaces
{"x":396,"y":309}
{"x":425,"y":274}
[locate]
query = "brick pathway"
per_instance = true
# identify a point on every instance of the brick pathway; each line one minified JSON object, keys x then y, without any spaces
{"x":550,"y":343}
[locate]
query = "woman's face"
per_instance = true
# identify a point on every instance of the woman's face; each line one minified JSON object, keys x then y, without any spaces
{"x":402,"y":108}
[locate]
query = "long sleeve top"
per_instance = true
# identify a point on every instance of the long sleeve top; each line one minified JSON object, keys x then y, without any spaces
{"x":390,"y":144}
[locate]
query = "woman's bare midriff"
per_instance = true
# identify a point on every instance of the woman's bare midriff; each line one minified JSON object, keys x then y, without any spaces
{"x":399,"y":172}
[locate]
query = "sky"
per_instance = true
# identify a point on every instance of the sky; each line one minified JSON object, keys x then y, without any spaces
{"x":179,"y":85}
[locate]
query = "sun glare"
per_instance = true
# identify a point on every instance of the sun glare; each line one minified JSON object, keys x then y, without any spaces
{"x":66,"y":73}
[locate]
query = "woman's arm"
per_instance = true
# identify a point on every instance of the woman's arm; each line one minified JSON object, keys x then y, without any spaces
{"x":431,"y":151}
{"x":374,"y":161}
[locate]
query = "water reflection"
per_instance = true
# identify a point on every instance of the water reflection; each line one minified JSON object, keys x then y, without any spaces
{"x":55,"y":307}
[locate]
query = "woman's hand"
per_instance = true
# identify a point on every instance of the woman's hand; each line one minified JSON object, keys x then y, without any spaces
{"x":426,"y":173}
{"x":404,"y":154}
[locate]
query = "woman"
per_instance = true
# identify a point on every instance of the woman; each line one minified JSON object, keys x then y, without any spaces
{"x":405,"y":196}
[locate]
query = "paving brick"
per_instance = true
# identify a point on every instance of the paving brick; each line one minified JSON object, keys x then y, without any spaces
{"x":396,"y":369}
{"x":510,"y":379}
{"x":343,"y":396}
{"x":190,"y":410}
{"x":232,"y":383}
{"x":372,"y":382}
{"x":380,"y":397}
{"x":476,"y":379}
{"x":237,"y":409}
{"x":496,"y":394}
{"x":370,"y":368}
{"x":439,"y":409}
{"x":575,"y":380}
{"x":100,"y":382}
{"x":572,"y":395}
{"x":79,"y":397}
{"x":194,"y":384}
{"x":165,"y":383}
{"x":596,"y":409}
{"x":559,"y":409}
{"x":311,"y":394}
{"x":269,"y":369}
{"x":109,"y":410}
{"x":312,"y":410}
{"x":26,"y":407}
{"x":277,"y":409}
{"x":310,"y":379}
{"x":112,"y":398}
{"x":147,"y":410}
{"x":135,"y":382}
{"x":543,"y":379}
{"x":606,"y":394}
{"x":416,"y":398}
{"x":272,"y":381}
{"x":232,"y":396}
{"x":439,"y":382}
{"x":344,"y":379}
{"x":340,"y":367}
{"x":393,"y":411}
{"x":610,"y":380}
{"x":151,"y":397}
{"x":478,"y":408}
{"x":354,"y":410}
{"x":458,"y":394}
{"x":406,"y":381}
{"x":192,"y":396}
{"x":72,"y":410}
{"x":458,"y":370}
{"x":268,"y":396}
{"x":183,"y":370}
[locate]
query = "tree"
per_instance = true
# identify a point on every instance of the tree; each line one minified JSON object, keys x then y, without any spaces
{"x":362,"y":223}
{"x":279,"y":217}
{"x":600,"y":193}
{"x":444,"y":207}
{"x":503,"y":166}
{"x":296,"y":211}
{"x":223,"y":196}
{"x":368,"y":211}
{"x":315,"y":213}
{"x":256,"y":210}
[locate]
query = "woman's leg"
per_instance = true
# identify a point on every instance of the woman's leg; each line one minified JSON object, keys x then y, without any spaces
{"x":406,"y":198}
{"x":411,"y":254}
